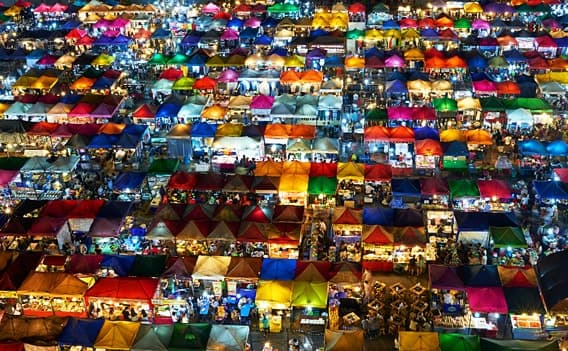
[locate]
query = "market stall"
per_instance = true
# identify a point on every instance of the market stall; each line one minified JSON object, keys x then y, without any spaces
{"x":209,"y":273}
{"x":347,"y":230}
{"x":273,"y":299}
{"x":51,"y":293}
{"x":447,"y":299}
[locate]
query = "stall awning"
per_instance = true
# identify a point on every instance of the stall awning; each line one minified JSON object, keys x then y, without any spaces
{"x":306,"y":294}
{"x":378,"y":216}
{"x":211,"y":267}
{"x":517,"y":277}
{"x":274,"y":293}
{"x":524,"y":300}
{"x":487,"y":300}
{"x":463,"y":188}
{"x":459,"y":342}
{"x":117,"y":335}
{"x":494,"y":188}
{"x":378,"y":172}
{"x":80,"y":332}
{"x":244,"y":268}
{"x":351,"y":171}
{"x":377,"y":235}
{"x":278,"y":269}
{"x":290,"y":183}
{"x":553,"y":280}
{"x":480,"y":275}
{"x":423,"y":341}
{"x":124,"y":288}
{"x":507,"y":237}
{"x":228,"y":337}
{"x":445,"y":277}
{"x":525,"y":345}
{"x":339,"y":340}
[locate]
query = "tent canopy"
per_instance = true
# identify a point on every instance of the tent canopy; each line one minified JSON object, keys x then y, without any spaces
{"x":274,"y":293}
{"x":278,"y":269}
{"x":418,"y":341}
{"x":514,"y":345}
{"x":339,"y":340}
{"x":211,"y":267}
{"x":228,"y":337}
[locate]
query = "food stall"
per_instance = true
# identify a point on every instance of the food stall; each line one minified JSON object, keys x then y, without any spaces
{"x":377,"y":184}
{"x":378,"y":248}
{"x":273,"y":299}
{"x":284,"y":240}
{"x":294,"y":182}
{"x":351,"y":178}
{"x":435,"y":193}
{"x":52,"y":293}
{"x":464,"y":194}
{"x":112,"y":296}
{"x":242,"y":278}
{"x":209,"y":273}
{"x":447,"y":299}
{"x":347,"y":230}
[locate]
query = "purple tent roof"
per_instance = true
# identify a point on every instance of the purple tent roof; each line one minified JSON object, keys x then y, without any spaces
{"x":395,"y":61}
{"x":228,"y":76}
{"x":316,"y":53}
{"x":104,"y":40}
{"x":230,"y":34}
{"x":104,"y":110}
{"x":445,"y":277}
{"x":498,"y":8}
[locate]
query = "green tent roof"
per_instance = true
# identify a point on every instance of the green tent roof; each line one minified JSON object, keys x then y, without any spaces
{"x":376,"y":115}
{"x":492,"y":104}
{"x":454,"y":163}
{"x":462,"y":23}
{"x":380,"y":8}
{"x":445,"y":105}
{"x":531,"y":104}
{"x":148,"y":266}
{"x":158,"y":59}
{"x":507,"y":237}
{"x":190,"y":337}
{"x":355,"y":34}
{"x":459,"y":342}
{"x":178,"y":59}
{"x":518,"y":345}
{"x":185,"y":83}
{"x":282,"y":8}
{"x":463,"y":188}
{"x":322,"y":185}
{"x":164,"y":166}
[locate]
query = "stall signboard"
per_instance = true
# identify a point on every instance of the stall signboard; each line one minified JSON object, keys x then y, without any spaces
{"x":231,"y":288}
{"x":217,"y":288}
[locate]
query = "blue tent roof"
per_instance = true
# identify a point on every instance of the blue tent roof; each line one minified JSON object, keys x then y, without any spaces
{"x":278,"y":269}
{"x":197,"y":60}
{"x":477,"y":62}
{"x":397,"y":75}
{"x":128,"y":141}
{"x":280,"y":51}
{"x":115,"y":209}
{"x":528,"y":89}
{"x":557,"y":148}
{"x":121,"y":264}
{"x":103,"y":40}
{"x":429,"y":33}
{"x":374,"y":52}
{"x":80,"y":332}
{"x":550,"y":190}
{"x":333,"y":61}
{"x":270,"y":22}
{"x":408,"y":217}
{"x":129,"y":180}
{"x":417,"y":75}
{"x":235,"y":22}
{"x":103,"y":83}
{"x":263,"y":40}
{"x":135,"y":129}
{"x":532,"y":147}
{"x":561,"y":42}
{"x":203,"y":130}
{"x":103,"y":141}
{"x":455,"y":149}
{"x":481,"y":221}
{"x":161,"y":33}
{"x":426,"y":133}
{"x":405,"y":187}
{"x":168,"y":110}
{"x":378,"y":216}
{"x":390,"y":24}
{"x":71,"y":24}
{"x":480,"y":275}
{"x":514,"y":56}
{"x":319,"y":33}
{"x":248,"y":33}
{"x":121,"y":40}
{"x":396,"y":87}
{"x":70,"y":99}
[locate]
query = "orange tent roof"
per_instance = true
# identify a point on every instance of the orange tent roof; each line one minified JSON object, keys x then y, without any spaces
{"x":507,"y":40}
{"x":302,"y":131}
{"x":429,"y":147}
{"x":434,"y":62}
{"x":449,"y":135}
{"x":112,"y":128}
{"x":289,"y":77}
{"x":296,"y":167}
{"x":377,"y":133}
{"x":456,"y":62}
{"x":278,"y":131}
{"x":312,"y":76}
{"x":558,"y":63}
{"x":508,"y":88}
{"x":444,"y":22}
{"x":479,"y":136}
{"x":83,"y":83}
{"x":205,"y":83}
{"x":214,"y":112}
{"x":268,"y":168}
{"x":354,"y":62}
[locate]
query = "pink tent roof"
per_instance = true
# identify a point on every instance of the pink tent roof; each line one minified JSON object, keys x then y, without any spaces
{"x":210,"y":8}
{"x":105,"y":227}
{"x":424,"y":114}
{"x":102,"y":23}
{"x":42,"y":8}
{"x":111,"y":33}
{"x":6,"y":177}
{"x":487,"y":300}
{"x":58,"y":8}
{"x":82,"y":109}
{"x":494,"y":188}
{"x":120,"y":23}
{"x":395,"y":61}
{"x":484,"y":86}
{"x":230,"y":34}
{"x":253,"y":22}
{"x":480,"y":24}
{"x":400,"y":113}
{"x":262,"y":102}
{"x":47,"y":60}
{"x":228,"y":76}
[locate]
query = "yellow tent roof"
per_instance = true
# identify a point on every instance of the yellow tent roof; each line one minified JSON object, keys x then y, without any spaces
{"x":449,"y":135}
{"x":419,"y":85}
{"x":441,"y":85}
{"x":24,"y":82}
{"x":320,"y":22}
{"x":44,"y":82}
{"x":214,"y":112}
{"x":296,"y":167}
{"x":229,"y":129}
{"x":103,"y":60}
{"x":211,"y":267}
{"x":293,"y":183}
{"x":117,"y":335}
{"x":472,"y":7}
{"x":354,"y":62}
{"x":215,"y":61}
{"x":560,"y":77}
{"x":240,"y":101}
{"x":295,"y":61}
{"x":13,"y":11}
{"x":277,"y":294}
{"x":340,"y":340}
{"x":311,"y":294}
{"x":413,"y":55}
{"x":469,"y":103}
{"x":52,"y":283}
{"x":268,"y":168}
{"x":351,"y":170}
{"x":414,"y":341}
{"x":392,"y":33}
{"x":4,"y":107}
{"x":411,"y":34}
{"x":373,"y":34}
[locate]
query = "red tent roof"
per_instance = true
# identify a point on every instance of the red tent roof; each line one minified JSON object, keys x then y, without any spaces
{"x":205,"y":83}
{"x":43,"y":128}
{"x":124,"y":288}
{"x":378,"y":172}
{"x":209,"y":181}
{"x":348,"y":216}
{"x":84,"y":264}
{"x":429,"y":147}
{"x":562,"y":173}
{"x":423,"y":114}
{"x":144,"y":111}
{"x":434,"y":186}
{"x":356,"y":7}
{"x":379,"y":235}
{"x":323,"y":267}
{"x":182,"y":181}
{"x":46,"y":226}
{"x":323,"y":169}
{"x":402,"y":134}
{"x":252,"y":232}
{"x":58,"y":208}
{"x":257,"y":214}
{"x":494,"y":188}
{"x":86,"y":209}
